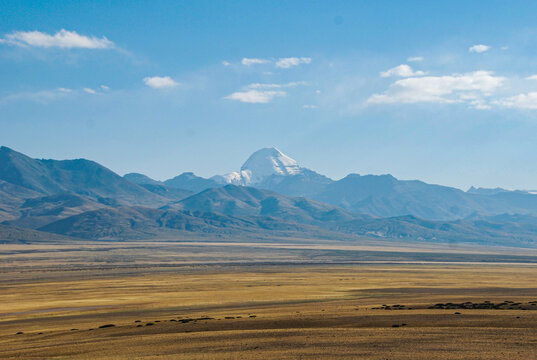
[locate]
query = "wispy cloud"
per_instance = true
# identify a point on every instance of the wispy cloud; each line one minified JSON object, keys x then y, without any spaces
{"x":469,"y":88}
{"x":255,"y":96}
{"x":90,"y":91}
{"x":402,"y":70}
{"x":263,"y":92}
{"x":253,"y":61}
{"x":160,"y":82}
{"x":276,"y":86}
{"x":62,"y":39}
{"x":414,"y":59}
{"x":532,"y":77}
{"x":309,"y":106}
{"x":286,"y":63}
{"x":42,"y":97}
{"x":480,"y":48}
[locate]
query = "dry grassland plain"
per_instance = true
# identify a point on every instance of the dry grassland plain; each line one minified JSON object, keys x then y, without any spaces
{"x":179,"y":301}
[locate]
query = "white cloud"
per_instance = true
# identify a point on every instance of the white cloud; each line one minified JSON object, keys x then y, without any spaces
{"x":105,"y":88}
{"x":253,"y":61}
{"x":532,"y":77}
{"x":296,"y":83}
{"x":276,"y":86}
{"x":520,"y":101}
{"x":255,"y":96}
{"x":89,"y":91}
{"x":309,"y":106}
{"x":42,"y":97}
{"x":480,"y":105}
{"x":480,"y":48}
{"x":263,"y":92}
{"x":402,"y":70}
{"x":160,"y":82}
{"x":469,"y":88}
{"x":504,"y":47}
{"x":286,"y":63}
{"x":414,"y":58}
{"x":474,"y":100}
{"x":263,"y":86}
{"x":226,"y":63}
{"x":62,"y":39}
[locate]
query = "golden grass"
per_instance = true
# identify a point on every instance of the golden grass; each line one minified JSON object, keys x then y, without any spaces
{"x":54,"y":295}
{"x":260,"y":311}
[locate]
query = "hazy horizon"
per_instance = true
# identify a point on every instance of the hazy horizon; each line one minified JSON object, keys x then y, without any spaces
{"x":239,"y":167}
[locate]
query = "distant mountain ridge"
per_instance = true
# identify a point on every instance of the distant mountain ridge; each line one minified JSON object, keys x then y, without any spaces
{"x":142,"y":223}
{"x":233,"y":200}
{"x":82,"y":199}
{"x":80,"y":176}
{"x":141,"y":179}
{"x":38,"y":211}
{"x":379,"y":195}
{"x":191,"y":182}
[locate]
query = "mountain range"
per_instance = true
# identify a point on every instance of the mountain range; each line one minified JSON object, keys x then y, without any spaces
{"x":270,"y":196}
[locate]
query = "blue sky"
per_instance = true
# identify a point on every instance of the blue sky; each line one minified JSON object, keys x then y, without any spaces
{"x":441,"y":92}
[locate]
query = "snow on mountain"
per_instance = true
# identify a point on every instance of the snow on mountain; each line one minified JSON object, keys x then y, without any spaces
{"x":261,"y":165}
{"x":235,"y":178}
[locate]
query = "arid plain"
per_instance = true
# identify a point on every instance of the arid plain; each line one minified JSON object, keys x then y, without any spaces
{"x":174,"y":300}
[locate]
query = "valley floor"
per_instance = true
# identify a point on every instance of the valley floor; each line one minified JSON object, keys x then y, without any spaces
{"x":247,"y":302}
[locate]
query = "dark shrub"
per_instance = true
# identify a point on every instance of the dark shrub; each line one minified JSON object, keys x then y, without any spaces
{"x":106,"y":326}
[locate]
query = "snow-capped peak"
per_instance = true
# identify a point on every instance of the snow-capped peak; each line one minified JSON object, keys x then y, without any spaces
{"x":260,"y":165}
{"x":267,"y":162}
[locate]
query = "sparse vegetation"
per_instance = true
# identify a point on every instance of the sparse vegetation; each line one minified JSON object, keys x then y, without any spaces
{"x":285,"y":314}
{"x":106,"y":326}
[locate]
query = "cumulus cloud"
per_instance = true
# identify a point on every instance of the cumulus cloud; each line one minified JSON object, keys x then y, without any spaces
{"x":253,"y":61}
{"x":402,"y":70}
{"x":286,"y":63}
{"x":469,"y":88}
{"x":62,"y":39}
{"x":255,"y":96}
{"x":480,"y":48}
{"x":160,"y":82}
{"x":520,"y":101}
{"x":414,"y":58}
